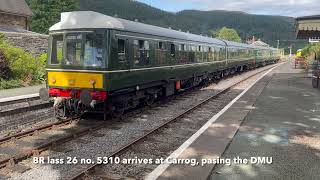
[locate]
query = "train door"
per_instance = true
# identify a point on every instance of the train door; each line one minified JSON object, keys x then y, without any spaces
{"x":123,"y":52}
{"x":173,"y":53}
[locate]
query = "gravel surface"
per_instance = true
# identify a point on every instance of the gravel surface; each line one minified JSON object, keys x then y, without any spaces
{"x":162,"y":143}
{"x":105,"y":141}
{"x":25,"y":120}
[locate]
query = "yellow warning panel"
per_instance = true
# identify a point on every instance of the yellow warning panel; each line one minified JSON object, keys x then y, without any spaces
{"x":75,"y":80}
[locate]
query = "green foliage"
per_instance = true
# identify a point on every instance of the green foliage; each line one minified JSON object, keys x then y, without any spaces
{"x":47,"y":12}
{"x":22,"y":64}
{"x":8,"y":84}
{"x":2,"y":38}
{"x":228,"y":34}
{"x":5,"y":71}
{"x":24,"y":67}
{"x":41,"y":73}
{"x":311,"y":51}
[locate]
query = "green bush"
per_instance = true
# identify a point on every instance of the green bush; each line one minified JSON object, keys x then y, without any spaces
{"x":24,"y":67}
{"x":311,"y":51}
{"x":8,"y":84}
{"x":41,"y":72}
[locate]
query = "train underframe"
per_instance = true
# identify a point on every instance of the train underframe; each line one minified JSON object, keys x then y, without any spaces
{"x":78,"y":102}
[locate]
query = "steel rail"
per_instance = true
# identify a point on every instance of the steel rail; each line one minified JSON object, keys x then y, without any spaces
{"x":35,"y":130}
{"x":12,"y":160}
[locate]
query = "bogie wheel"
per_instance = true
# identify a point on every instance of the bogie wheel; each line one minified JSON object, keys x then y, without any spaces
{"x":150,"y":100}
{"x":118,"y":113}
{"x":60,"y":112}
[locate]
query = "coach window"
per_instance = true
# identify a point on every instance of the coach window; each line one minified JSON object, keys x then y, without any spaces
{"x":199,"y":54}
{"x":56,"y":49}
{"x":222,"y":54}
{"x":205,"y":53}
{"x":211,"y":54}
{"x":93,"y":50}
{"x":74,"y":49}
{"x":183,"y":47}
{"x":173,"y":50}
{"x":161,"y":46}
{"x":141,"y":53}
{"x":160,"y":54}
{"x":121,"y":50}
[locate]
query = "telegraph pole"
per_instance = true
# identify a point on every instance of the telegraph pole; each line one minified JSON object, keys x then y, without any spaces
{"x":278,"y":44}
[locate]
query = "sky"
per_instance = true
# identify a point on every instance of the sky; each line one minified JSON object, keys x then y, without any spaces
{"x":294,"y":8}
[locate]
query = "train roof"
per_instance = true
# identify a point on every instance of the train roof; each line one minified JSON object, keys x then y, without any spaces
{"x":93,"y":20}
{"x":236,"y":44}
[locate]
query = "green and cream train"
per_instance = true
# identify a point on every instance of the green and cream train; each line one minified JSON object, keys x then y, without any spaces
{"x":106,"y":64}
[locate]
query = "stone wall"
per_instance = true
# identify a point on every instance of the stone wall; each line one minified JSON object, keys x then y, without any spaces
{"x":9,"y":20}
{"x":34,"y":43}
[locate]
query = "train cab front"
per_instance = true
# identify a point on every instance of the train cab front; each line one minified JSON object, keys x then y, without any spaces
{"x":75,"y":79}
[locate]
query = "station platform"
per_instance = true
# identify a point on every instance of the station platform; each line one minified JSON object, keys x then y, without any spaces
{"x":278,"y":117}
{"x":20,"y":92}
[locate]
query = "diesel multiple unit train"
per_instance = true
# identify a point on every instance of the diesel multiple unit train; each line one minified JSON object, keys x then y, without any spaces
{"x":106,"y":64}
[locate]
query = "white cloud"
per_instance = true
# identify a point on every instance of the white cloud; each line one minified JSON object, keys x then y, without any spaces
{"x":275,"y":7}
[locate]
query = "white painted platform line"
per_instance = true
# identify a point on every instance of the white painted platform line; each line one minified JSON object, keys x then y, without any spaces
{"x":161,"y":168}
{"x":15,"y":98}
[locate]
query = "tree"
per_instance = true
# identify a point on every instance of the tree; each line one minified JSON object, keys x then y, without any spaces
{"x":228,"y":34}
{"x":47,"y":12}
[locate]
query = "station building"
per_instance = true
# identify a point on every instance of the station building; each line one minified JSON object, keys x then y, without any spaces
{"x":308,"y":27}
{"x":14,"y":15}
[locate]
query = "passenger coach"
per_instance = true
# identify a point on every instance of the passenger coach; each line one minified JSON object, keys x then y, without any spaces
{"x":106,"y":64}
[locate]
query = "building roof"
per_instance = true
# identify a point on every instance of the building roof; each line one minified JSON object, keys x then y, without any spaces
{"x":19,"y":7}
{"x":308,"y":17}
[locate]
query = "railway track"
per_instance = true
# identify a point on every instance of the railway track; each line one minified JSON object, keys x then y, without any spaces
{"x":16,"y":113}
{"x":84,"y":129}
{"x":11,"y":160}
{"x":149,"y":138}
{"x":22,"y":105}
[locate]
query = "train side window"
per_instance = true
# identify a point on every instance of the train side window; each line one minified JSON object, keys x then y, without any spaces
{"x":74,"y":49}
{"x":57,"y":49}
{"x":173,"y":50}
{"x":93,"y":50}
{"x":160,"y":54}
{"x":193,"y":48}
{"x":182,"y":47}
{"x":141,"y":53}
{"x":210,"y":54}
{"x":121,"y":50}
{"x":160,"y":45}
{"x":141,"y":44}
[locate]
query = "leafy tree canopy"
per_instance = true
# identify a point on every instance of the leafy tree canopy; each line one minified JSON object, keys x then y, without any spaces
{"x":47,"y":12}
{"x":228,"y":34}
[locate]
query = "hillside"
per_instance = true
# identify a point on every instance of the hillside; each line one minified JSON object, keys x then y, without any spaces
{"x":268,"y":28}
